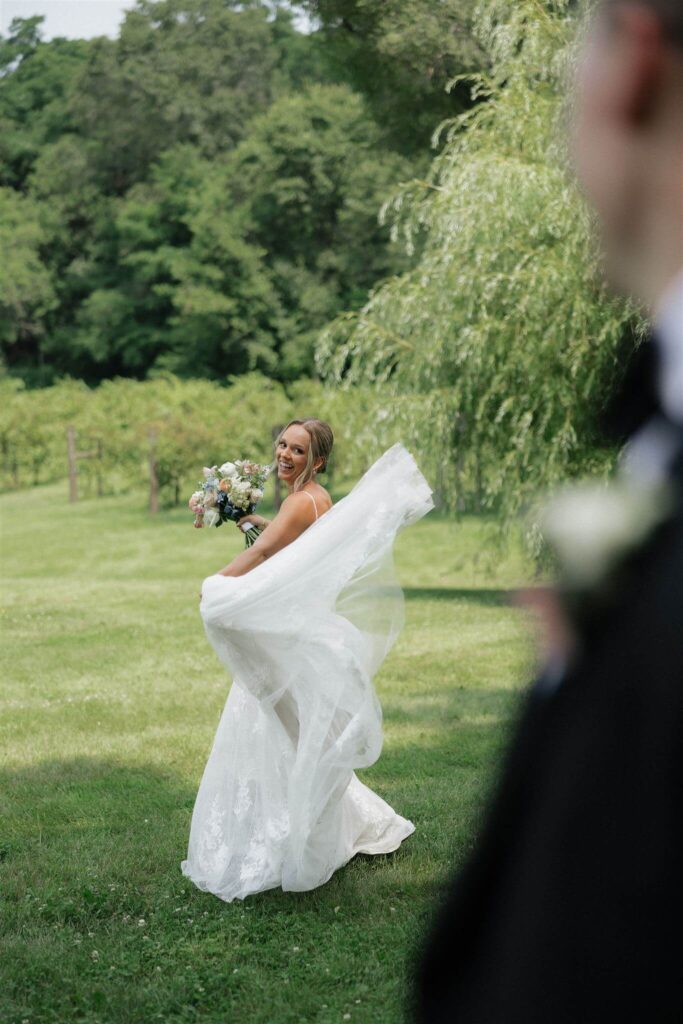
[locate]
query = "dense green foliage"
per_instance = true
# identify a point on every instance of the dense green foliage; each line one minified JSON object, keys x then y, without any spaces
{"x":401,"y":54}
{"x":109,"y":708}
{"x":199,"y":195}
{"x":500,"y":342}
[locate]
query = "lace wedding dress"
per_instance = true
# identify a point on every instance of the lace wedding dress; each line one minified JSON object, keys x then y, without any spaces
{"x":303,"y":634}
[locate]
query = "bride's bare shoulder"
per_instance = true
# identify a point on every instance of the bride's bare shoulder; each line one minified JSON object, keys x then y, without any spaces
{"x":295,"y":500}
{"x":301,"y":500}
{"x":322,"y":495}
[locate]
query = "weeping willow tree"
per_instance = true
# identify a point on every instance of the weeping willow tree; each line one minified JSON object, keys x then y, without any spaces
{"x":492,"y":355}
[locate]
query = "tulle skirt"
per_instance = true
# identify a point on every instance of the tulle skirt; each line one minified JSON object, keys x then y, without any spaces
{"x":303,"y":635}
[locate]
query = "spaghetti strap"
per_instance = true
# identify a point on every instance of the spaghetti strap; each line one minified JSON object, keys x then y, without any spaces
{"x":314,"y":504}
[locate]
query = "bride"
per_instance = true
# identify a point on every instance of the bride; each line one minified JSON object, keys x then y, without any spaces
{"x":302,"y":620}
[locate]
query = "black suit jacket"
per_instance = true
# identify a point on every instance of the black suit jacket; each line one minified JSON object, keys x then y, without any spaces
{"x":570,"y":909}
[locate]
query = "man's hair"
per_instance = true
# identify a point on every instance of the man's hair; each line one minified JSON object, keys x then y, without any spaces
{"x":669,"y":12}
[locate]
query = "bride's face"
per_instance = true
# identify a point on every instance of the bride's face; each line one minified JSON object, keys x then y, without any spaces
{"x":292,"y":453}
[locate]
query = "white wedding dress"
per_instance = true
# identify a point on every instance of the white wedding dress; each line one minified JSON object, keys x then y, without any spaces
{"x":303,"y":634}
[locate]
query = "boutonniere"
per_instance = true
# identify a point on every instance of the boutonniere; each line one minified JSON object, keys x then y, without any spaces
{"x":597,"y":533}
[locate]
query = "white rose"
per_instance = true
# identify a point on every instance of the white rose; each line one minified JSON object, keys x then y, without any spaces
{"x":211,"y":517}
{"x":228,"y":469}
{"x":256,"y":494}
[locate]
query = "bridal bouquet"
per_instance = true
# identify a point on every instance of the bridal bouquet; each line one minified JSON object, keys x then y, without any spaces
{"x":229,"y":492}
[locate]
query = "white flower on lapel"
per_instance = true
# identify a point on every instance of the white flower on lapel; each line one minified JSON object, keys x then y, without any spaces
{"x":591,"y":527}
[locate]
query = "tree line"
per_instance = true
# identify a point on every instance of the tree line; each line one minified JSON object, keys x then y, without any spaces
{"x":200,"y":194}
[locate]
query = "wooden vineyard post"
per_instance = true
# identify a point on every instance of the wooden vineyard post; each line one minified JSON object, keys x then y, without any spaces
{"x":73,"y":456}
{"x":100,"y":483}
{"x":153,"y":474}
{"x":277,"y":491}
{"x":10,"y":464}
{"x":73,"y":463}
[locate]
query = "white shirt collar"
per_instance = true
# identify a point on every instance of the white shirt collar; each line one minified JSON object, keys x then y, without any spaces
{"x":649,"y":452}
{"x":669,"y":326}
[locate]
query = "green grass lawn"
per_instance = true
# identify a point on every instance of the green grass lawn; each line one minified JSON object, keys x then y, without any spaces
{"x":110,"y":698}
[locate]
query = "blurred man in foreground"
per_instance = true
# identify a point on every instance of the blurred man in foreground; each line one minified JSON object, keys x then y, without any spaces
{"x":570,"y":907}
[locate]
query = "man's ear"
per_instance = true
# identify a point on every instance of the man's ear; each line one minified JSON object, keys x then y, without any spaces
{"x":639,"y":61}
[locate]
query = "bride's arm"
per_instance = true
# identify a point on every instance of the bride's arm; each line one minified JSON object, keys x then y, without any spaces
{"x":294,"y":517}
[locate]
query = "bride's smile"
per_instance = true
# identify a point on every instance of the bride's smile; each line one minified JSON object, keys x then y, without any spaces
{"x":292,"y":453}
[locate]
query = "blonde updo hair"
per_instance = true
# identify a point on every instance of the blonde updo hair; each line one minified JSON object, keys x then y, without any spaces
{"x":322,"y":440}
